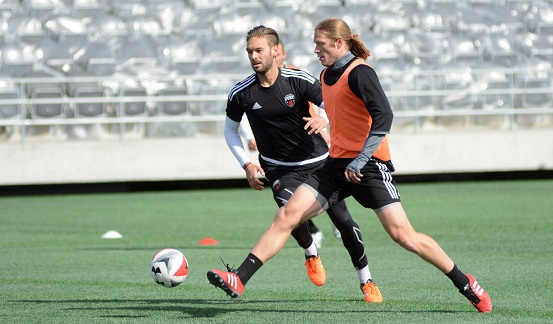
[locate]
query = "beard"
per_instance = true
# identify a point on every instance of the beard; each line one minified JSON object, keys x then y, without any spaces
{"x":264,"y":67}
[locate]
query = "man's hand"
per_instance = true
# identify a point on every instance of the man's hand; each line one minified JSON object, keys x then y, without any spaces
{"x":314,"y":124}
{"x":353,"y":176}
{"x":252,"y":145}
{"x":252,"y":171}
{"x":353,"y":170}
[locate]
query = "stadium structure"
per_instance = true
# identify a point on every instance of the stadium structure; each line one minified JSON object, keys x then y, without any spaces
{"x":99,"y":91}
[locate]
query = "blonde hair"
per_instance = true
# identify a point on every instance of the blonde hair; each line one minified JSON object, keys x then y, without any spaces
{"x":335,"y":28}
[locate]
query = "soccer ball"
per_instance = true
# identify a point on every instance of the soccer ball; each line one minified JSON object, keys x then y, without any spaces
{"x":169,"y":267}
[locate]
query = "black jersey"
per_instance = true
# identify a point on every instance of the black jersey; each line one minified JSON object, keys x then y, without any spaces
{"x":275,"y":114}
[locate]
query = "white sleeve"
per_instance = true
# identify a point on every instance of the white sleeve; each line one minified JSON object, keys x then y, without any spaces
{"x":234,"y":142}
{"x":245,"y":128}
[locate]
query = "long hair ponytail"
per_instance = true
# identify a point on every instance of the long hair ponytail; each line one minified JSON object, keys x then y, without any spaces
{"x":335,"y":28}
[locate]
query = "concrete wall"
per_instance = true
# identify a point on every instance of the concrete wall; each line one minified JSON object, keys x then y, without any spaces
{"x":63,"y":162}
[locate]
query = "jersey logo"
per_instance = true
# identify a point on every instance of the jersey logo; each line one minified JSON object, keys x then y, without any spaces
{"x":256,"y":106}
{"x":290,"y":100}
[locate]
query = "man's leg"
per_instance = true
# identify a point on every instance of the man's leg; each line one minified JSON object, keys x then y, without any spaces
{"x":299,"y":208}
{"x":315,"y":270}
{"x":316,"y":233}
{"x":353,"y":242}
{"x":397,"y":225}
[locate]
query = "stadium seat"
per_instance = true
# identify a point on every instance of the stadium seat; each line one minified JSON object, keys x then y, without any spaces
{"x":15,"y":61}
{"x":319,"y":10}
{"x":496,"y":81}
{"x":208,"y":8}
{"x":463,"y":50}
{"x":173,"y":107}
{"x":537,"y":47}
{"x":24,"y":28}
{"x":145,"y":25}
{"x":90,"y":8}
{"x":43,"y":8}
{"x":127,"y":9}
{"x":109,"y":29}
{"x":181,"y":54}
{"x":130,"y":107}
{"x":429,"y":20}
{"x":500,"y":50}
{"x":98,"y":58}
{"x":137,"y":54}
{"x":44,"y":90}
{"x":444,"y":6}
{"x":82,"y":88}
{"x":468,"y":21}
{"x":249,"y":8}
{"x":385,"y":51}
{"x":39,"y":86}
{"x":425,"y":49}
{"x":459,"y":97}
{"x":169,"y":106}
{"x":83,"y":85}
{"x":389,"y":24}
{"x":538,"y":94}
{"x":64,"y":27}
{"x":59,"y":55}
{"x":9,"y":110}
{"x":133,"y":108}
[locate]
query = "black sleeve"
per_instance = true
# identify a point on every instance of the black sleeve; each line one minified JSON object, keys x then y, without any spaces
{"x":364,"y":83}
{"x":234,"y":109}
{"x":314,"y":93}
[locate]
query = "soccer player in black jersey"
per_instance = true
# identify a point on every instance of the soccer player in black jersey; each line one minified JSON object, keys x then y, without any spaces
{"x":246,"y":132}
{"x":359,"y":163}
{"x":276,"y":102}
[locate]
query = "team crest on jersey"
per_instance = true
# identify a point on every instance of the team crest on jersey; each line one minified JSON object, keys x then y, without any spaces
{"x":290,"y":100}
{"x":276,"y":184}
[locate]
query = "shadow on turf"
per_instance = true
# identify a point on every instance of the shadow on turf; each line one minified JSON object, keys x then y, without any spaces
{"x":204,"y":308}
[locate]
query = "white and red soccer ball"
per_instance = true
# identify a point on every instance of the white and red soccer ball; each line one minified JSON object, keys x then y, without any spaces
{"x":169,"y":267}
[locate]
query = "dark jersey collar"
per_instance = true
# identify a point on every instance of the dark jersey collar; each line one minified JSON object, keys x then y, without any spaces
{"x":331,"y":76}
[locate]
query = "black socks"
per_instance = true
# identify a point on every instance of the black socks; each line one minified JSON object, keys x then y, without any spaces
{"x":247,"y":269}
{"x":458,"y":278}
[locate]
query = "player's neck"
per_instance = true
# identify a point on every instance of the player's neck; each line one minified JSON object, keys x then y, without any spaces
{"x":268,"y":79}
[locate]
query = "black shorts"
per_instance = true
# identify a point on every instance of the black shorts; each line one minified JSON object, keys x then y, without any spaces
{"x":376,"y":189}
{"x":285,"y":181}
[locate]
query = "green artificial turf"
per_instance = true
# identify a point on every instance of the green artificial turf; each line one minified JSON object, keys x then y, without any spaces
{"x":56,"y":268}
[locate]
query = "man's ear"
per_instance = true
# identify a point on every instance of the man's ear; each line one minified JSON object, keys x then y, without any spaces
{"x":340,"y":42}
{"x":275,"y":51}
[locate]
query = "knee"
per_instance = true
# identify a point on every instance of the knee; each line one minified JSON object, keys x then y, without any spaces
{"x":287,"y":217}
{"x":406,"y":241}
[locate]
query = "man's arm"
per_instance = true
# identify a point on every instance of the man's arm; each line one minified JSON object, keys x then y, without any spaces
{"x":246,"y":131}
{"x":234,"y":143}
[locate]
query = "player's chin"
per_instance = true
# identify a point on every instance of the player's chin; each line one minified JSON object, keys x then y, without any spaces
{"x":258,"y":68}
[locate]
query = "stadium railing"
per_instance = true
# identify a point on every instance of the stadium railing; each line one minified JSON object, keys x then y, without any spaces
{"x":424,"y":101}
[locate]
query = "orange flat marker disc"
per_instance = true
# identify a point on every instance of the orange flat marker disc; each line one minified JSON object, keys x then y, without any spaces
{"x":208,"y":241}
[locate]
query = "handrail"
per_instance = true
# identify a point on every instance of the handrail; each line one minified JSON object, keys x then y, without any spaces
{"x":115,"y":98}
